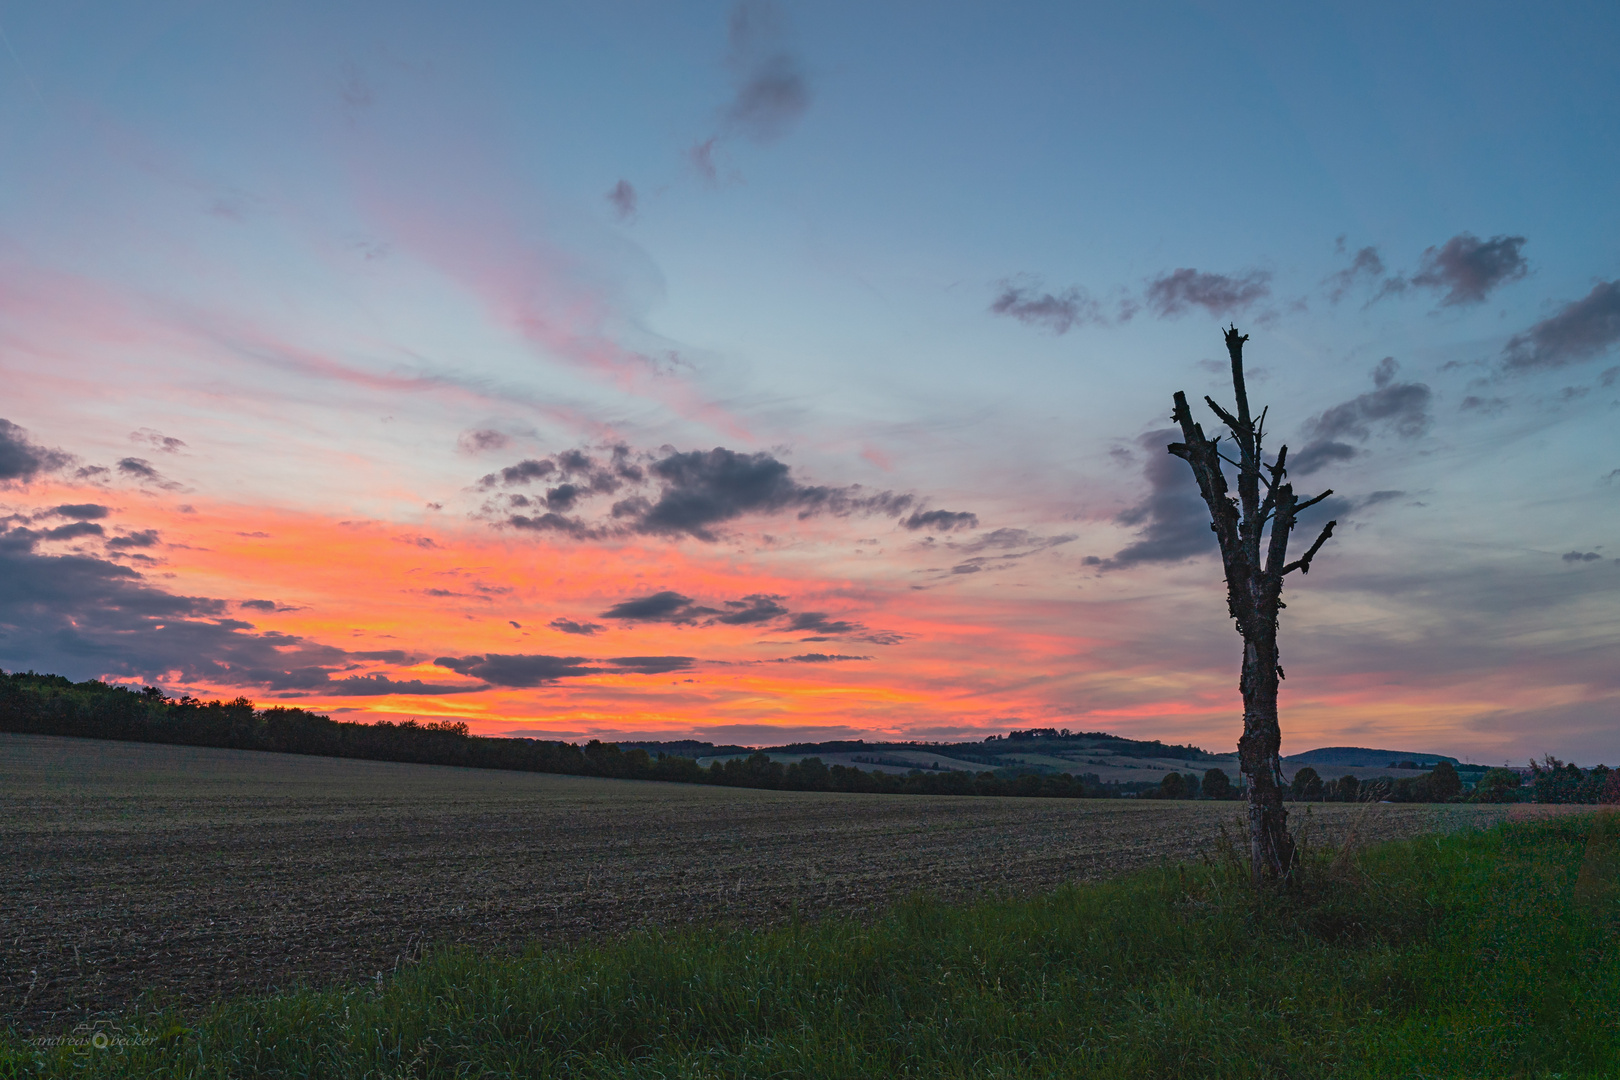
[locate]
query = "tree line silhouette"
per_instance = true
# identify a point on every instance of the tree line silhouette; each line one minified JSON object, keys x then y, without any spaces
{"x":52,"y":705}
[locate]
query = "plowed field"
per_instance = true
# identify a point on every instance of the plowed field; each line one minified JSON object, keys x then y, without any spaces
{"x":127,"y":868}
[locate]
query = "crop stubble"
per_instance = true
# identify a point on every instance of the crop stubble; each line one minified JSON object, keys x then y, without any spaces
{"x":196,"y":873}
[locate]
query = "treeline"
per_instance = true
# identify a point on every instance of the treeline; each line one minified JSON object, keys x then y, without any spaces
{"x":1550,"y":781}
{"x":52,"y":705}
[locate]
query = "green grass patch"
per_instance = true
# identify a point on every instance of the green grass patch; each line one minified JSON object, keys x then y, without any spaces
{"x":1476,"y":954}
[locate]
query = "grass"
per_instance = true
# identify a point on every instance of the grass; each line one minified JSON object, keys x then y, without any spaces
{"x":1476,"y":954}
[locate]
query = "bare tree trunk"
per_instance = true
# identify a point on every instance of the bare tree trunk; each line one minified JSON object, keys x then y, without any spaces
{"x":1271,"y":848}
{"x":1255,"y":565}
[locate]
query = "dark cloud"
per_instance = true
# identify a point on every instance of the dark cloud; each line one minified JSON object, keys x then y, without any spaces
{"x":142,"y":470}
{"x":1581,"y":556}
{"x":1581,"y":330}
{"x":702,"y":489}
{"x":518,"y":670}
{"x":671,"y":493}
{"x":819,"y":658}
{"x":522,"y":473}
{"x":384,"y":656}
{"x":667,"y":606}
{"x":757,"y":608}
{"x":1172,"y":519}
{"x":1364,"y":266}
{"x":21,"y":459}
{"x":1489,"y":406}
{"x":376,"y":685}
{"x":164,"y":444}
{"x":941,"y":520}
{"x":1318,"y":454}
{"x":1180,"y":290}
{"x":1007,"y":539}
{"x":1384,"y":372}
{"x":530,"y":669}
{"x":823,"y":627}
{"x":772,"y":90}
{"x":258,"y":605}
{"x":556,"y":523}
{"x":569,"y":626}
{"x":651,"y":665}
{"x":1021,"y":299}
{"x":1401,"y":408}
{"x":819,"y":622}
{"x":86,"y":617}
{"x":562,"y":497}
{"x":480,"y":440}
{"x":80,"y":511}
{"x":1467,"y":268}
{"x":622,"y":197}
{"x":145,"y":538}
{"x":74,"y":531}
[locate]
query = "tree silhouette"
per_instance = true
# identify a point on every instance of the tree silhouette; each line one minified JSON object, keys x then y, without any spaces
{"x":1256,"y":561}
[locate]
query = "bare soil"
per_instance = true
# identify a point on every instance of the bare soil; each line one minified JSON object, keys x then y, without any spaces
{"x":188,"y":874}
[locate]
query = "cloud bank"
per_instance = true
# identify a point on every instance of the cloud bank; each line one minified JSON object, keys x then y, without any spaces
{"x":679,"y":494}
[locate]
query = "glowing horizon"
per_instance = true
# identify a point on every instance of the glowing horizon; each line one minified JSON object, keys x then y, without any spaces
{"x":728,"y":374}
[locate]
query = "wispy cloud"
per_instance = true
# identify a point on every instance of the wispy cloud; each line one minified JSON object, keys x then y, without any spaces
{"x":622,"y":198}
{"x":1179,"y":291}
{"x":1401,"y":408}
{"x":772,"y":88}
{"x":1023,"y":299}
{"x":1581,"y":330}
{"x":1467,"y":269}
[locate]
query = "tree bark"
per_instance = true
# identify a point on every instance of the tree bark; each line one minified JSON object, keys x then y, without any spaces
{"x":1255,"y":565}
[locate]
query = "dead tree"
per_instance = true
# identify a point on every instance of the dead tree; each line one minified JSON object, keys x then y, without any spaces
{"x":1256,"y":562}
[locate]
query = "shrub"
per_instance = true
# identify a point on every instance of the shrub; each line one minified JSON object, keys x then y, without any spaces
{"x":1497,"y":786}
{"x":1217,"y":785}
{"x":1308,"y":785}
{"x":1444,"y":783}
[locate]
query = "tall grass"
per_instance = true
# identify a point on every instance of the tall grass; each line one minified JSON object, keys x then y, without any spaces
{"x":1477,"y":954}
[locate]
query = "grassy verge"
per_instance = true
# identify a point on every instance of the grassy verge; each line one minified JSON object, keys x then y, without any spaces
{"x":1477,"y":954}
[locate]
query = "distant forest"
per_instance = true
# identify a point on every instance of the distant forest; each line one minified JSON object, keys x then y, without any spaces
{"x":52,"y":705}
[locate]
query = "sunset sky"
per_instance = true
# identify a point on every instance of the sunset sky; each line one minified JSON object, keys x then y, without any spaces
{"x":773,"y":371}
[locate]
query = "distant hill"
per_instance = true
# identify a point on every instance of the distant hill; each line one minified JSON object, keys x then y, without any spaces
{"x":1361,"y":757}
{"x":1110,"y":758}
{"x":692,"y":748}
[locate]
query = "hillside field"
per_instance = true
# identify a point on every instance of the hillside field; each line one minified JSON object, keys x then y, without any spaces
{"x":199,"y":873}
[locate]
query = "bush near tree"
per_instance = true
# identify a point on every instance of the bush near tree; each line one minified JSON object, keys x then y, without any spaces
{"x":1217,"y":785}
{"x":1307,"y":785}
{"x":1498,"y":786}
{"x":1444,"y":783}
{"x":1554,"y":781}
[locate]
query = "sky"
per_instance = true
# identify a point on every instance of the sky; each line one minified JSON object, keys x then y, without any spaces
{"x":772,"y":371}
